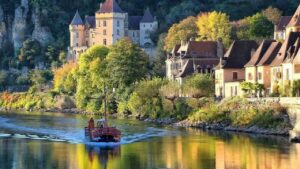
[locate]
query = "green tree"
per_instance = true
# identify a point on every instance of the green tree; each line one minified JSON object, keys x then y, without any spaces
{"x":90,"y":78}
{"x":30,"y":54}
{"x":214,"y":25}
{"x":199,"y":85}
{"x":40,"y":78}
{"x":182,"y":31}
{"x":159,"y":65}
{"x":146,"y":100}
{"x":126,"y":64}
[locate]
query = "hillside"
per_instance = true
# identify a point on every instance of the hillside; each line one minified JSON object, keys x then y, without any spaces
{"x":47,"y":20}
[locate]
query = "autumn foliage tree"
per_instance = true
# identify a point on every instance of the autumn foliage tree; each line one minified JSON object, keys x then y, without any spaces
{"x":214,"y":25}
{"x":65,"y":78}
{"x":182,"y":31}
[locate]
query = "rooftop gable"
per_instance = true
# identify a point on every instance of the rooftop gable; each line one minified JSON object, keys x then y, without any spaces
{"x":270,"y":54}
{"x":239,"y":54}
{"x":110,"y":6}
{"x":147,"y":18}
{"x":295,"y":21}
{"x":283,"y":22}
{"x":282,"y":54}
{"x":259,"y":53}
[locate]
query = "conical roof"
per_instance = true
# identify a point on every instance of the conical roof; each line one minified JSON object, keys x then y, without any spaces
{"x":147,"y":18}
{"x":77,"y":19}
{"x":110,"y":6}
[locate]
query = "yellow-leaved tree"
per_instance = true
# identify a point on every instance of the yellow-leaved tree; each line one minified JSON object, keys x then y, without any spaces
{"x":64,"y":78}
{"x":182,"y":31}
{"x":214,"y":25}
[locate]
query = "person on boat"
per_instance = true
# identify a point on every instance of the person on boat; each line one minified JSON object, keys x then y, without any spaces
{"x":91,"y":123}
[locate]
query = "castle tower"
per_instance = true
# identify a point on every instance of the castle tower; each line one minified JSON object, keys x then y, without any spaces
{"x":77,"y":32}
{"x":148,"y":25}
{"x":77,"y":38}
{"x":110,"y":23}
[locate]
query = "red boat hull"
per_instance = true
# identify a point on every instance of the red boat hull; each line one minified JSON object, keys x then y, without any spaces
{"x":103,"y":134}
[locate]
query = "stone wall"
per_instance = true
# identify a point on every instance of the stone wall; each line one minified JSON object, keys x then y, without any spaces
{"x":293,"y":106}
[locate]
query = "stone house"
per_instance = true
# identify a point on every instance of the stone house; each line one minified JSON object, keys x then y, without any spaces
{"x":263,"y":66}
{"x":193,"y":57}
{"x":281,"y":71}
{"x":230,"y":71}
{"x":110,"y":24}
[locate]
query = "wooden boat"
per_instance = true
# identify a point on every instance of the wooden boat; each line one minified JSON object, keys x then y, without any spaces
{"x":102,"y":132}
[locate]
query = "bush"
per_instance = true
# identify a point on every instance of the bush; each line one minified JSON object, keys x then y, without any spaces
{"x":199,"y":85}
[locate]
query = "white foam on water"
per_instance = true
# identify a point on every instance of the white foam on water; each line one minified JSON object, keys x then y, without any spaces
{"x":76,"y":135}
{"x":3,"y":135}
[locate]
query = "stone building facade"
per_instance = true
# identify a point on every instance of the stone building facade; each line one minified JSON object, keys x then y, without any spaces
{"x":110,"y":24}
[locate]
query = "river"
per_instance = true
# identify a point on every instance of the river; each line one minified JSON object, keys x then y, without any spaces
{"x":56,"y":141}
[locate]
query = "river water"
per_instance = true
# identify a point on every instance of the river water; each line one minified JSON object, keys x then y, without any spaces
{"x":56,"y":141}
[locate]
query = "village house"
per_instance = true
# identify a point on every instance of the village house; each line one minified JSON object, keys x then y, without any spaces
{"x":110,"y":24}
{"x":230,"y":71}
{"x":193,"y":57}
{"x":263,"y":66}
{"x":280,"y":71}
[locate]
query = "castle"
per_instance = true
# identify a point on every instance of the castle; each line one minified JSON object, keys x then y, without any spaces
{"x":110,"y":24}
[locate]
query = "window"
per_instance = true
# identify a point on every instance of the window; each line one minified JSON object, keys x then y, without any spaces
{"x":77,"y":35}
{"x":250,"y":76}
{"x":144,"y":25}
{"x":87,"y":43}
{"x":133,"y":34}
{"x":259,"y":76}
{"x":118,"y":32}
{"x":118,"y":23}
{"x":104,"y":23}
{"x":104,"y":32}
{"x":104,"y":42}
{"x":234,"y":75}
{"x":99,"y":23}
{"x":93,"y":35}
{"x":77,"y":44}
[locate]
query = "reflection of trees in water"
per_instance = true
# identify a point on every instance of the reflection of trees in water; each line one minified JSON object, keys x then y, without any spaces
{"x":103,"y":154}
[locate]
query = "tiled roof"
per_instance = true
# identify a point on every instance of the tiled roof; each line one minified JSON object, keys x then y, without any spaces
{"x":199,"y":49}
{"x":259,"y":53}
{"x":295,"y":21}
{"x":110,"y":6}
{"x":188,"y":68}
{"x":134,"y":22}
{"x":270,"y":54}
{"x":283,"y":22}
{"x":292,"y":51}
{"x":238,"y":54}
{"x":147,"y":18}
{"x":77,"y":19}
{"x":90,"y":21}
{"x":282,"y":54}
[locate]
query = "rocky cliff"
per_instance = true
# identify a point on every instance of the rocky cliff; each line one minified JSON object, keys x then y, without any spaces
{"x":23,"y":24}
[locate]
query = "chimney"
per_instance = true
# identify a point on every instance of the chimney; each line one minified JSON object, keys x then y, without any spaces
{"x":100,"y":5}
{"x":220,"y":48}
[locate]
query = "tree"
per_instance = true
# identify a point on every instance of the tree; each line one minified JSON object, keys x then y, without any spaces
{"x":40,"y":78}
{"x":146,"y":100}
{"x":214,"y":25}
{"x":247,"y":87}
{"x":272,"y":14}
{"x":183,"y":10}
{"x":159,"y":65}
{"x":182,"y":31}
{"x":199,"y":85}
{"x":30,"y":54}
{"x":3,"y":78}
{"x":65,"y":78}
{"x":126,"y":64}
{"x":90,"y":78}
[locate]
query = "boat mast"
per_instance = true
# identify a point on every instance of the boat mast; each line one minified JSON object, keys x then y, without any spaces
{"x":105,"y":104}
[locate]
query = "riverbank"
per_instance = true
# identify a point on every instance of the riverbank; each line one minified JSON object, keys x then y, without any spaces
{"x":237,"y":114}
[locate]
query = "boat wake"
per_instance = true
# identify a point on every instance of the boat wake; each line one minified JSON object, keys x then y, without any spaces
{"x":76,"y":135}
